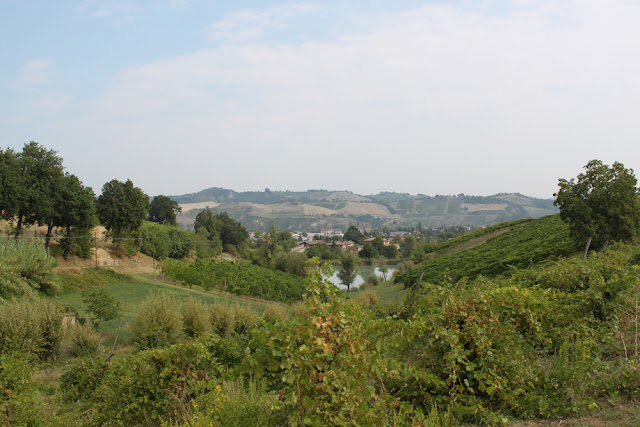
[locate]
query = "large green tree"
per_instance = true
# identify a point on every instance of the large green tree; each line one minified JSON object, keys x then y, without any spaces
{"x":163,"y":210}
{"x":220,"y":226}
{"x":74,"y":206}
{"x":10,"y":183}
{"x":31,"y":182}
{"x":603,"y":203}
{"x":122,"y":207}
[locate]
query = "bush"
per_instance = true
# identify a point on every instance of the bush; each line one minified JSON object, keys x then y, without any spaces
{"x":25,"y":266}
{"x":222,"y":319}
{"x":31,"y":326}
{"x":366,"y":299}
{"x":157,"y":322}
{"x":273,"y":313}
{"x":20,"y":402}
{"x":245,"y":319}
{"x":84,"y":341}
{"x":155,"y":387}
{"x":195,"y":318}
{"x":81,"y":379}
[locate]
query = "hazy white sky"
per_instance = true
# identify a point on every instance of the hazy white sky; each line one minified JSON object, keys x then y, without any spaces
{"x":433,"y":97}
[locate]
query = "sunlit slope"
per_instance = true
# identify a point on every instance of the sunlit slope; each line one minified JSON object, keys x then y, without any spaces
{"x":516,"y":244}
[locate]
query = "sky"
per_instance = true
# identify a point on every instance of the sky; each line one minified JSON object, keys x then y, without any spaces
{"x":433,"y":97}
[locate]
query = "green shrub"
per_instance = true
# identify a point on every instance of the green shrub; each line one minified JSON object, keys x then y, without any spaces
{"x":274,"y":312}
{"x":32,"y":326}
{"x":84,"y":341}
{"x":157,"y":322}
{"x":245,"y":319}
{"x":81,"y":380}
{"x":195,"y":318}
{"x":366,"y":299}
{"x":222,"y":319}
{"x":155,"y":387}
{"x":26,"y":266}
{"x":20,"y":402}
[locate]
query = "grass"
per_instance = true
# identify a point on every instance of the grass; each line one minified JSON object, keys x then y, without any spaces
{"x":388,"y":292}
{"x":132,"y":290}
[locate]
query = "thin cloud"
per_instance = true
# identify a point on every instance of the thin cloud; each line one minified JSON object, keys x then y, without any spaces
{"x":35,"y":73}
{"x":252,"y":25}
{"x":532,"y":87}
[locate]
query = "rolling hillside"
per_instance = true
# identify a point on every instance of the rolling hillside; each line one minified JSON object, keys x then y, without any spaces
{"x":313,"y":210}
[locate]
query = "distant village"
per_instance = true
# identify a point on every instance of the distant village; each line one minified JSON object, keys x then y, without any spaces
{"x":334,"y":238}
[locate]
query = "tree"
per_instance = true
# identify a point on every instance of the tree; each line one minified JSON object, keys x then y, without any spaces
{"x":368,"y":251}
{"x":163,"y":210}
{"x":101,"y":304}
{"x":220,"y":226}
{"x":75,"y":209}
{"x":603,"y":204}
{"x":10,"y":183}
{"x":122,"y":207}
{"x":354,"y":235}
{"x":31,"y":181}
{"x":348,"y":269}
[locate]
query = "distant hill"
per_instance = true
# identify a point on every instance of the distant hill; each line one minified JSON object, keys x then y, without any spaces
{"x":313,"y":210}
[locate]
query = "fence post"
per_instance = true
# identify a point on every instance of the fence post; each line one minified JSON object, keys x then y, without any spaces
{"x":95,"y":248}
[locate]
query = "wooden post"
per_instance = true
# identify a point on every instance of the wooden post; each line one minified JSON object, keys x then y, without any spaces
{"x":154,"y":257}
{"x":586,"y":249}
{"x":95,"y":248}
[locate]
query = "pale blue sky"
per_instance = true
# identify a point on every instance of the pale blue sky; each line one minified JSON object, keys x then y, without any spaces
{"x":433,"y":97}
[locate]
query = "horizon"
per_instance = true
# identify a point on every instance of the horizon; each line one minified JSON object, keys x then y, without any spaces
{"x":353,"y":192}
{"x":431,"y":97}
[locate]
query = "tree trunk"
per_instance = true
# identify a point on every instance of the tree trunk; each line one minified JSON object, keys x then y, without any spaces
{"x":48,"y":235}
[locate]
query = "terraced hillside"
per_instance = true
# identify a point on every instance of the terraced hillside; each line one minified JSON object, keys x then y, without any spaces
{"x":313,"y":210}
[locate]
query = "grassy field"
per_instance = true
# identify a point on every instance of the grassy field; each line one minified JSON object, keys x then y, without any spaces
{"x":132,"y":290}
{"x":388,"y":292}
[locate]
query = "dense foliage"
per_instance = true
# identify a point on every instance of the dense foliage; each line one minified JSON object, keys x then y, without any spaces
{"x":240,"y":278}
{"x":121,"y":207}
{"x":603,"y":204}
{"x":525,"y":243}
{"x":160,"y":241}
{"x":35,"y":189}
{"x":220,"y":228}
{"x":163,"y":210}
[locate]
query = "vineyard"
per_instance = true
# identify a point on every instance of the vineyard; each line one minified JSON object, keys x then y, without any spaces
{"x":525,"y":243}
{"x":239,"y":278}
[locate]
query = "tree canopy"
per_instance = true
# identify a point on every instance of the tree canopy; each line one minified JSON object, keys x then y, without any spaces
{"x":122,"y":207}
{"x":163,"y":210}
{"x":602,"y":204}
{"x":220,"y":226}
{"x":354,"y":235}
{"x":34,"y":188}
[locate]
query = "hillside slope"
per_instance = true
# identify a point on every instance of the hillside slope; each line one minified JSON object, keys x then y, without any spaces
{"x":313,"y":210}
{"x":515,"y":244}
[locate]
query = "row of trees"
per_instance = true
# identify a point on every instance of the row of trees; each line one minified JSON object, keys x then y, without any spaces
{"x":35,"y":189}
